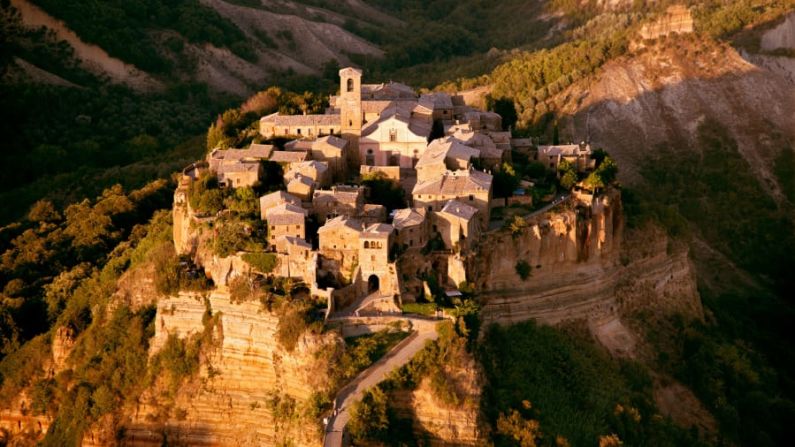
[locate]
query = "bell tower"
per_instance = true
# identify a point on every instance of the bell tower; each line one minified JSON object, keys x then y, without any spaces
{"x":350,"y":103}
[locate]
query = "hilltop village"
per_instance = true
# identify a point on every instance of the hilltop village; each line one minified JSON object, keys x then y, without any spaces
{"x":321,"y":222}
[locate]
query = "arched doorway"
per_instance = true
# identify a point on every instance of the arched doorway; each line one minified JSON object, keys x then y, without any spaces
{"x":372,"y":283}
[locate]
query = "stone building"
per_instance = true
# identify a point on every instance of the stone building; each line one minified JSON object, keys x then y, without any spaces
{"x":578,"y":155}
{"x":287,"y":158}
{"x":374,"y":248}
{"x":239,"y":167}
{"x":467,"y":186}
{"x":340,"y":234}
{"x":317,"y":171}
{"x":411,"y":227}
{"x":274,"y":199}
{"x":285,"y":220}
{"x":396,"y":139}
{"x":458,"y":225}
{"x":340,"y":200}
{"x":301,"y":187}
{"x":310,"y":126}
{"x":444,"y":154}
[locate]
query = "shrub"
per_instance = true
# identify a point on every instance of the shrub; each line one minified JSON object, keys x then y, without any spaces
{"x":369,"y":417}
{"x":523,"y":269}
{"x":262,"y":262}
{"x":293,"y":322}
{"x":204,"y":195}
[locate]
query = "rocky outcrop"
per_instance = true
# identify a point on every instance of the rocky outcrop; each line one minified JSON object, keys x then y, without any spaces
{"x":62,"y":344}
{"x":440,"y":421}
{"x":578,"y":268}
{"x":782,"y":36}
{"x":676,"y":19}
{"x":18,"y":425}
{"x":660,"y":95}
{"x":232,"y":402}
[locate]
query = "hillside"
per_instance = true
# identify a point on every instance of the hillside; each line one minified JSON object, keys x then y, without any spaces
{"x":657,"y":311}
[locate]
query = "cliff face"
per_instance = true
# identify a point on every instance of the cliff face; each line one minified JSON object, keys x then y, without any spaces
{"x":249,"y":390}
{"x":579,"y":269}
{"x":659,"y":95}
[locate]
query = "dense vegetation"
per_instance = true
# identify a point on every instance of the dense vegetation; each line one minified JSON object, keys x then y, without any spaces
{"x":739,"y":362}
{"x":125,"y":29}
{"x":108,"y":364}
{"x":46,"y":257}
{"x":570,"y":388}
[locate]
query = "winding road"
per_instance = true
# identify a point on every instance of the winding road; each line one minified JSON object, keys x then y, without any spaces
{"x":423,"y":330}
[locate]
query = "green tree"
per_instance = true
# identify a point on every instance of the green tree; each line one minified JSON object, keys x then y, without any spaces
{"x":369,"y":418}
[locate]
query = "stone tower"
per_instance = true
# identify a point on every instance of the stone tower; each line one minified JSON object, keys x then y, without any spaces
{"x":350,"y":104}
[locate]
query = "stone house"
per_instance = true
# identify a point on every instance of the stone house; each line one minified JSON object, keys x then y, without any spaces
{"x":285,"y":220}
{"x":340,"y":200}
{"x":239,"y":173}
{"x":578,"y":155}
{"x":444,"y":154}
{"x":287,"y":158}
{"x":274,"y":199}
{"x":331,"y":150}
{"x":458,"y":225}
{"x":309,"y":126}
{"x":301,"y":187}
{"x":255,"y":152}
{"x":411,"y":227}
{"x":317,"y":171}
{"x":440,"y":103}
{"x":339,"y":234}
{"x":296,"y":259}
{"x":239,"y":167}
{"x":467,"y":186}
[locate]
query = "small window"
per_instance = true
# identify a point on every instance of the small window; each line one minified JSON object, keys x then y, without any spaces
{"x":372,"y":258}
{"x":350,"y":85}
{"x":369,"y":152}
{"x":299,"y":131}
{"x":392,"y":135}
{"x":366,"y":244}
{"x":350,"y":123}
{"x":471,"y":197}
{"x":309,"y":132}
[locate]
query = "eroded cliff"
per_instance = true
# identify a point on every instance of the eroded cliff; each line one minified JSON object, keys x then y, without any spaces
{"x":581,"y":267}
{"x":249,"y":390}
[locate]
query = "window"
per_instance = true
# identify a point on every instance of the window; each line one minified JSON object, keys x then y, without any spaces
{"x":309,"y":132}
{"x":350,"y":85}
{"x":372,"y":258}
{"x":366,"y":244}
{"x":471,"y":197}
{"x":286,"y":131}
{"x":392,"y":135}
{"x":273,"y":227}
{"x":350,"y":123}
{"x":299,"y":131}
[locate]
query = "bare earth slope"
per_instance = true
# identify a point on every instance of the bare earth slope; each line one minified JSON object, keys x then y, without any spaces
{"x":660,"y":96}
